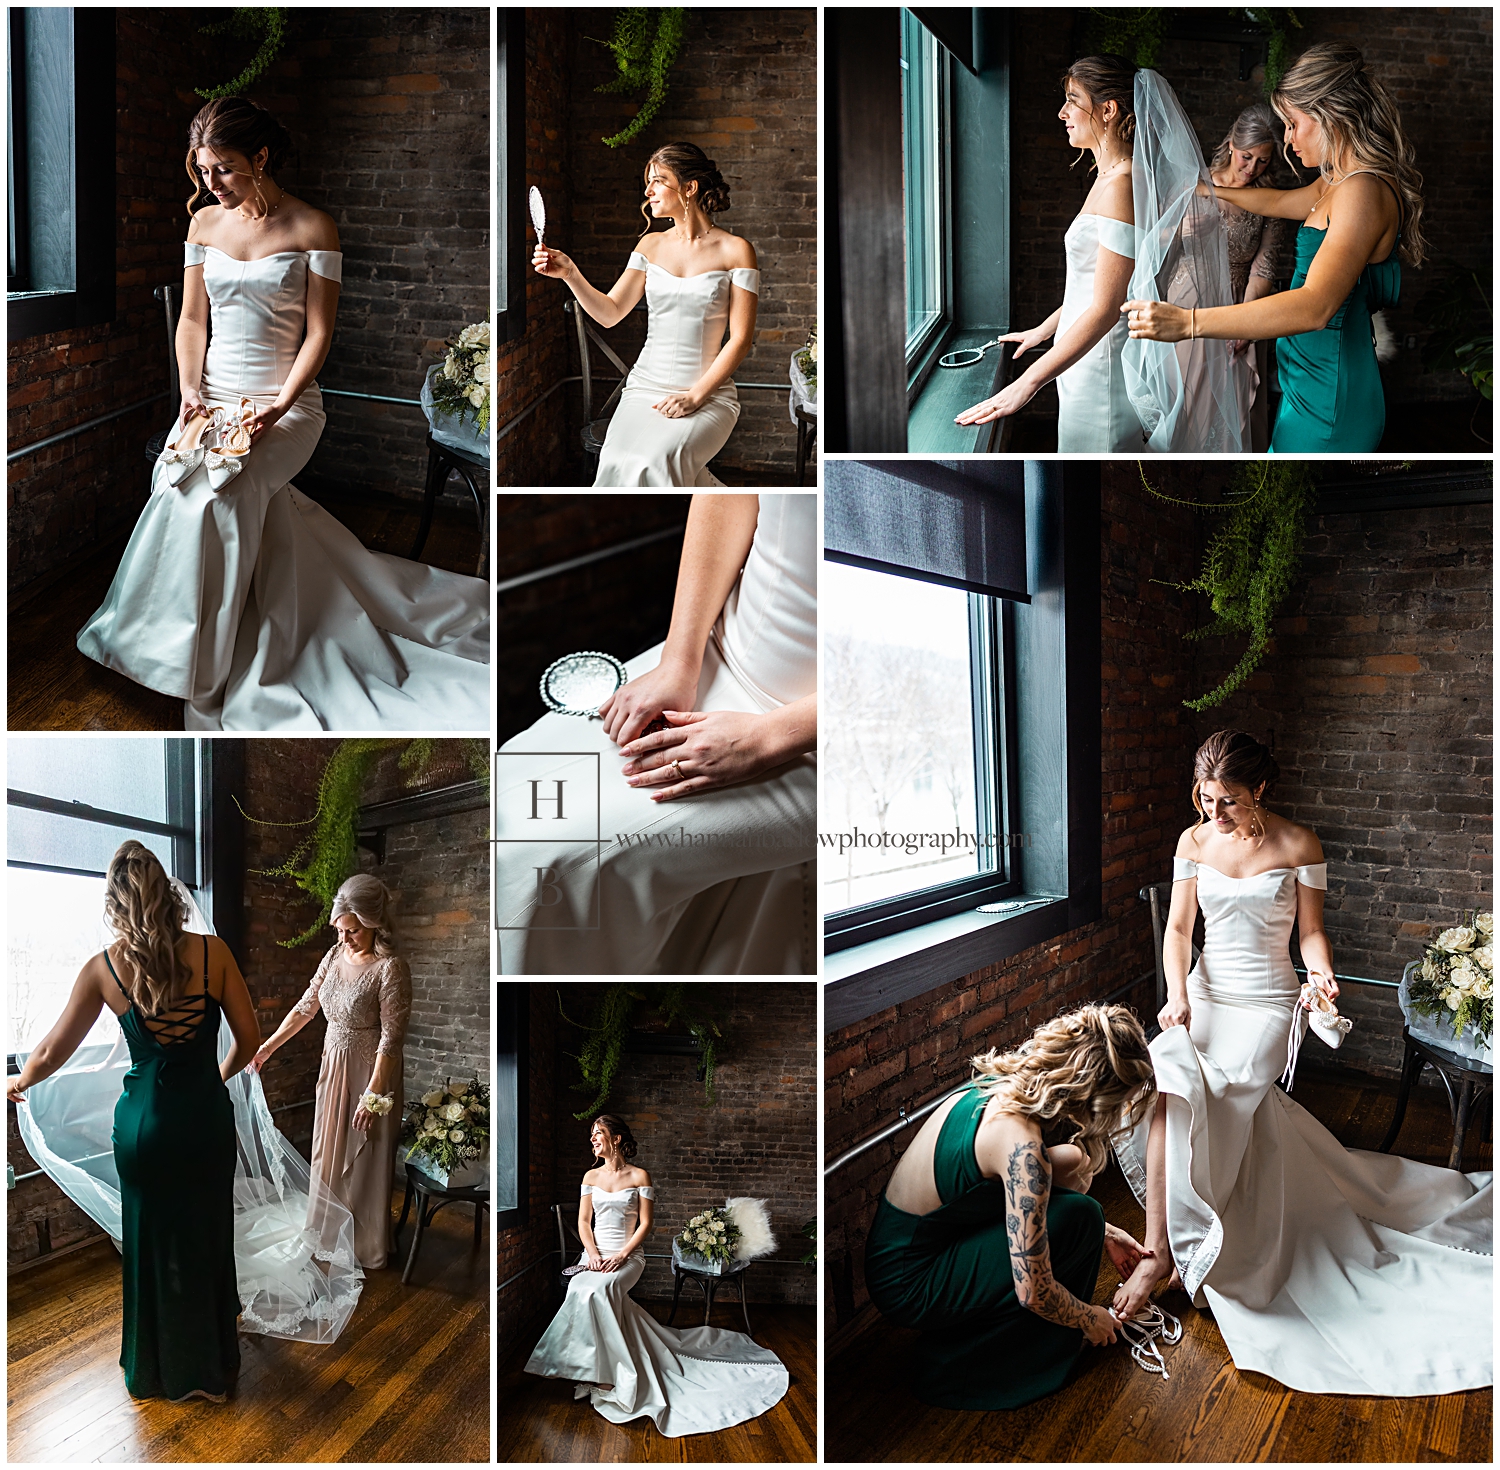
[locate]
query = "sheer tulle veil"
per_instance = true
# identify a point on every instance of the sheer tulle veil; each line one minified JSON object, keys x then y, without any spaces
{"x":293,"y":1240}
{"x":1183,"y":392}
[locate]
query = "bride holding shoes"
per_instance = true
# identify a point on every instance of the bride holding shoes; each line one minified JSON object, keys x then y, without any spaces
{"x":237,"y":593}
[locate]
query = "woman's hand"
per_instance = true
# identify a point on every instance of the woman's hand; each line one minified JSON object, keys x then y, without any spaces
{"x":552,"y":263}
{"x":193,"y":407}
{"x":261,"y":1057}
{"x":633,"y":706}
{"x":1099,"y":1326}
{"x":1123,"y":1250}
{"x":1326,"y":983}
{"x":1176,"y":1012}
{"x":1009,"y":400}
{"x":612,"y":1263}
{"x":13,"y":1090}
{"x":1157,"y":321}
{"x":700,"y":752}
{"x":1025,"y":341}
{"x":596,"y":1261}
{"x":265,"y":418}
{"x":678,"y":405}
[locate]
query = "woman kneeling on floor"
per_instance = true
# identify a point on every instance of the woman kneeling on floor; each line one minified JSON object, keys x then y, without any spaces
{"x":986,"y":1239}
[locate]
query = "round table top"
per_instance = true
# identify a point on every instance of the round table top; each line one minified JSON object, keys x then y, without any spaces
{"x":1440,"y":1056}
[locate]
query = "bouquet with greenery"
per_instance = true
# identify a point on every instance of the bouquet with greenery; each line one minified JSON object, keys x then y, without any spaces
{"x":449,"y":1127}
{"x":807,"y":362}
{"x":1456,"y":980}
{"x":461,"y":386}
{"x":713,"y":1235}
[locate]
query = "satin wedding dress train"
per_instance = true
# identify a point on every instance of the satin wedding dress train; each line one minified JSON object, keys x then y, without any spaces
{"x":1331,"y":1270}
{"x":1094,"y":412}
{"x":719,"y":882}
{"x":687,"y":318}
{"x":629,"y":1366}
{"x":251,"y":603}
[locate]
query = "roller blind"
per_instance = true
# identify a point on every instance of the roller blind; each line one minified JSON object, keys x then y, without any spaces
{"x":958,"y":523}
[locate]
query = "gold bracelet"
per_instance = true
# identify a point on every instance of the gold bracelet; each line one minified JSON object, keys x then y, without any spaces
{"x":1192,"y":323}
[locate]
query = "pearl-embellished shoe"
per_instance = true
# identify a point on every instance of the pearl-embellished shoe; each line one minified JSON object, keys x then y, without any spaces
{"x":227,"y":458}
{"x":183,"y":457}
{"x":1323,"y":1016}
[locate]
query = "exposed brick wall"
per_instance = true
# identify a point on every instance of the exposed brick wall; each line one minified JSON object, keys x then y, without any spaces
{"x":90,"y":488}
{"x":760,"y":1139}
{"x":537,"y":452}
{"x":745,"y":90}
{"x":1377,"y":701}
{"x":389,"y":111}
{"x":518,"y":1246}
{"x":1437,"y":62}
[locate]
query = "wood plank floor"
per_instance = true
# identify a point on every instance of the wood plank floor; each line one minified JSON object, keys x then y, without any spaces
{"x":54,"y":687}
{"x":408,"y":1380}
{"x":540,"y":1420}
{"x":1110,"y":1410}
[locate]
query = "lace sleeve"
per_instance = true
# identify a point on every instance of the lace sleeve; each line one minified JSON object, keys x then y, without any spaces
{"x":1273,"y":259}
{"x":395,"y":1006}
{"x":308,"y":1005}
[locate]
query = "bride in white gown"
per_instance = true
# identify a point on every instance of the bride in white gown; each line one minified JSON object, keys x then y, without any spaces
{"x":678,"y":405}
{"x":708,"y":827}
{"x":238,"y":594}
{"x":622,"y":1359}
{"x":1331,"y":1270}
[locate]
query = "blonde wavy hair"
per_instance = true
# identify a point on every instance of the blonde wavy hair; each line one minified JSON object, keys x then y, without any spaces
{"x":147,"y":915}
{"x":1360,"y":124}
{"x":370,"y":901}
{"x":1090,"y":1065}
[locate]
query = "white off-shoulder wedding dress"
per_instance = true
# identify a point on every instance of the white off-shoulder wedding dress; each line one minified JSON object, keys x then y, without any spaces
{"x":251,"y":603}
{"x":629,"y":1366}
{"x":686,"y":322}
{"x":717,"y":882}
{"x":1331,"y":1270}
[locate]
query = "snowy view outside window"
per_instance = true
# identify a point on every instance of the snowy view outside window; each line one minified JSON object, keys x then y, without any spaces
{"x":56,"y":920}
{"x":899,"y":753}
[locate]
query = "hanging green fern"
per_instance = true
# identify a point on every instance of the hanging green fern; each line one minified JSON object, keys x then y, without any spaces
{"x":247,"y":22}
{"x":1134,"y":34}
{"x":1251,"y":561}
{"x":644,"y":54}
{"x":1277,"y":25}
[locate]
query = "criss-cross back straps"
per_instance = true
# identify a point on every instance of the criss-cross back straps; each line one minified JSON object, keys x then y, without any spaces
{"x":180,"y":1023}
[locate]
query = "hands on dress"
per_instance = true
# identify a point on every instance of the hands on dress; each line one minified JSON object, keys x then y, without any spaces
{"x":634,"y":706}
{"x":722,"y":748}
{"x":1013,"y":397}
{"x":678,"y":405}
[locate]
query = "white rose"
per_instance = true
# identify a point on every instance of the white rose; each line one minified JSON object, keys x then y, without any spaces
{"x":1484,"y":957}
{"x":1485,"y":924}
{"x":1484,"y":988}
{"x":1432,"y":971}
{"x":1456,"y":940}
{"x":1451,"y":999}
{"x":450,"y":369}
{"x":452,"y":1111}
{"x":457,"y":1089}
{"x":456,"y":1136}
{"x":477,"y":394}
{"x":432,"y":1099}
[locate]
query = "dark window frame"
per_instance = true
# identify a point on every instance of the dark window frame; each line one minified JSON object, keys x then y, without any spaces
{"x":922,"y":353}
{"x":513,"y":1018}
{"x":91,"y":90}
{"x":510,"y":187}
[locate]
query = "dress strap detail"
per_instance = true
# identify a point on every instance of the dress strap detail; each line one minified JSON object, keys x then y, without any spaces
{"x":1183,"y":868}
{"x":116,"y":978}
{"x":1313,"y":875}
{"x":955,"y":1170}
{"x":326,"y":263}
{"x":647,"y":1191}
{"x":637,"y":261}
{"x":587,"y":1189}
{"x":1116,"y":235}
{"x":192,"y":254}
{"x":746,"y":279}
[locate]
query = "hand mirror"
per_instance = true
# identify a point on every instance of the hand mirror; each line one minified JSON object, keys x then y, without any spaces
{"x":967,"y":356}
{"x":579,"y":683}
{"x":538,"y":213}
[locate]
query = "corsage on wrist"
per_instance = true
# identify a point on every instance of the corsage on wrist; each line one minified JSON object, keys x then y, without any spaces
{"x":378,"y":1103}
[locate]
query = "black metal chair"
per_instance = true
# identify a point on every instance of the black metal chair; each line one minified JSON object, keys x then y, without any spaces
{"x":432,"y":1197}
{"x":1471,"y":1077}
{"x":569,"y":1241}
{"x":443,"y":461}
{"x":709,"y":1282}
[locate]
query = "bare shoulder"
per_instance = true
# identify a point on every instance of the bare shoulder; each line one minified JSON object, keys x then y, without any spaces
{"x":1004,"y":1140}
{"x":1116,"y":199}
{"x":204,"y":225}
{"x":740,"y":254}
{"x":650,"y":244}
{"x":591,"y":1176}
{"x":639,"y":1179}
{"x":315,"y":229}
{"x":1187,"y":844}
{"x":1299,"y":844}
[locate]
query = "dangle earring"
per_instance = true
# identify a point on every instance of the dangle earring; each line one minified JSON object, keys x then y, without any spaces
{"x":266,"y":207}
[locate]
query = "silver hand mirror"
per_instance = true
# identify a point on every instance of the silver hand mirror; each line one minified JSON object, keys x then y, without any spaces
{"x":967,"y":356}
{"x":538,"y":213}
{"x":579,"y":683}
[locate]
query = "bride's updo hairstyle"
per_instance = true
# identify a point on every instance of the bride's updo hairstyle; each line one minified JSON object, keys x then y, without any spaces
{"x":1090,"y":1064}
{"x":690,"y":165}
{"x":1106,"y":78}
{"x":234,"y":123}
{"x":1256,"y":125}
{"x":1235,"y":759}
{"x":617,"y":1127}
{"x":147,"y":915}
{"x":371,"y":902}
{"x":1360,"y":123}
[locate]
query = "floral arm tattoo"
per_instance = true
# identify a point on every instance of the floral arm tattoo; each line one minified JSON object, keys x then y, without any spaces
{"x":1028,"y":1186}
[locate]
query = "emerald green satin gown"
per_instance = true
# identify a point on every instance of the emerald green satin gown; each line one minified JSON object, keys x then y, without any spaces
{"x":948,"y":1275}
{"x":1332,"y":399}
{"x":174,"y":1144}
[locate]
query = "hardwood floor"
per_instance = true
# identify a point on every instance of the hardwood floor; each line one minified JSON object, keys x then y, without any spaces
{"x":1109,"y":1409}
{"x":540,"y":1420}
{"x":408,"y":1380}
{"x":54,"y":687}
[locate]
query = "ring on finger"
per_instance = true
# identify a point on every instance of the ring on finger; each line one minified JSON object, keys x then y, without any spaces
{"x":677,"y":770}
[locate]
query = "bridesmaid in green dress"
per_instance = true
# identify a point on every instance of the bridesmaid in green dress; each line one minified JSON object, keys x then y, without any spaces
{"x":1359,"y":220}
{"x":174,"y":1127}
{"x":986,"y":1240}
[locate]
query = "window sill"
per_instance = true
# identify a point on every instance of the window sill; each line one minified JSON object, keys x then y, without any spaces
{"x":884,"y":972}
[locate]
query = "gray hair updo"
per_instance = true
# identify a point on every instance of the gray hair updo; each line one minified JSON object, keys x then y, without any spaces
{"x":371,"y":902}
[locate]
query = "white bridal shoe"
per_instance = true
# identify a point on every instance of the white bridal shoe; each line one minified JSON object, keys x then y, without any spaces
{"x":1145,"y":1330}
{"x":1323,"y":1016}
{"x":183,"y":457}
{"x":227,"y":458}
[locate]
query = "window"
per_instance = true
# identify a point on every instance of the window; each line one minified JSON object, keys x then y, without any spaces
{"x":511,"y":272}
{"x":60,"y":68}
{"x":71,"y":803}
{"x":924,"y":65}
{"x":917,"y":753}
{"x":509,"y":1109}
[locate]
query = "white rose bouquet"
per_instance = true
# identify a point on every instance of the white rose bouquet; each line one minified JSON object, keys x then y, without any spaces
{"x":807,"y":362}
{"x":461,"y":387}
{"x":713,"y":1234}
{"x":1455,"y":980}
{"x":449,"y":1126}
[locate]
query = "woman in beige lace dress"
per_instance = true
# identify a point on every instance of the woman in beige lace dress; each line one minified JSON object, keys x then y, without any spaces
{"x":1259,"y":251}
{"x":364,"y":989}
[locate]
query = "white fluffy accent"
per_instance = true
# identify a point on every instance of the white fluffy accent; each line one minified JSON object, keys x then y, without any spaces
{"x":1387,"y":348}
{"x":754,"y":1220}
